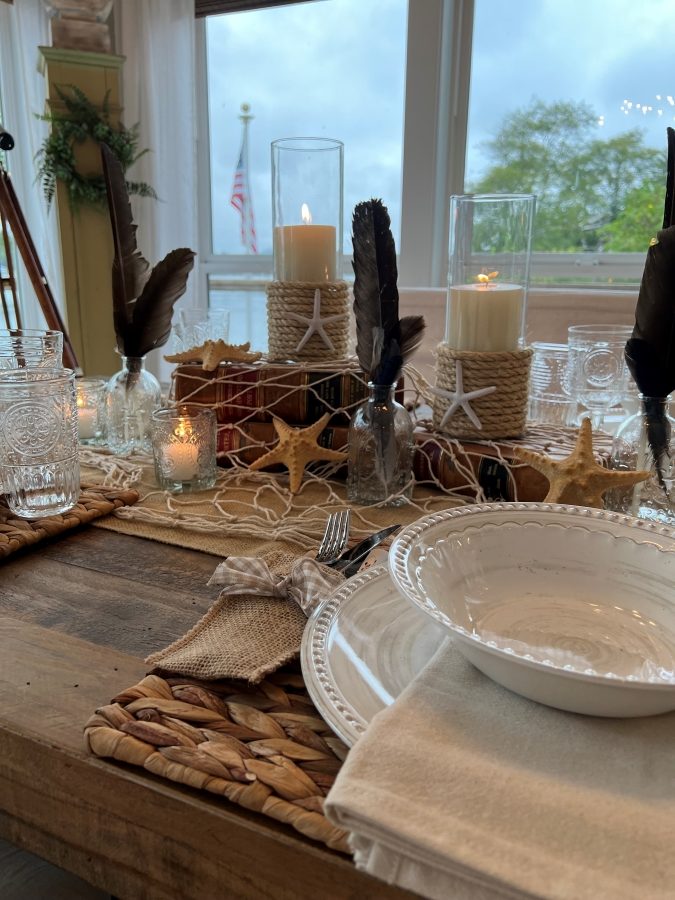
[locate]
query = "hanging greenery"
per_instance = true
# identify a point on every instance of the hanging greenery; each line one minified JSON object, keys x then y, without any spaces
{"x":81,"y":120}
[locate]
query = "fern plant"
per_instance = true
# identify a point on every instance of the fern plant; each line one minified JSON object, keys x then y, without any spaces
{"x":81,"y":120}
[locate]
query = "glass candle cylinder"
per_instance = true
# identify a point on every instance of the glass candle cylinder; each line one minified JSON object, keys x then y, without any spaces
{"x":20,"y":347}
{"x":307,"y":179}
{"x":39,"y":466}
{"x":488,"y":273}
{"x":184,"y":447}
{"x":90,"y":398}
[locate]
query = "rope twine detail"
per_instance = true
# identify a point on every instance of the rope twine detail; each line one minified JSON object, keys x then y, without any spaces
{"x":502,"y":413}
{"x":286,"y":333}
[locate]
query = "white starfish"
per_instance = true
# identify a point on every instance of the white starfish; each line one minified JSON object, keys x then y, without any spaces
{"x":316,"y":323}
{"x":461,"y":399}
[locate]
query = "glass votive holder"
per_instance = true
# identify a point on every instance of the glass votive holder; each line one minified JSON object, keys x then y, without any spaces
{"x":550,"y":401}
{"x":90,"y":399}
{"x":39,"y":465}
{"x":307,"y":179}
{"x":32,"y":347}
{"x":488,"y":271}
{"x":184,"y":447}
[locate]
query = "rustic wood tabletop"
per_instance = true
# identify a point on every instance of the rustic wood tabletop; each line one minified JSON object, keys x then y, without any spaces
{"x":77,"y":616}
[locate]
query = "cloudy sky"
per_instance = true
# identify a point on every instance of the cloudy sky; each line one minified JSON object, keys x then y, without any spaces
{"x":336,"y":68}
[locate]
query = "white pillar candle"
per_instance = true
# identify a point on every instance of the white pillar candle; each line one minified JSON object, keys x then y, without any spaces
{"x":485,"y":317}
{"x":182,"y":461}
{"x":305,"y":252}
{"x":86,"y":422}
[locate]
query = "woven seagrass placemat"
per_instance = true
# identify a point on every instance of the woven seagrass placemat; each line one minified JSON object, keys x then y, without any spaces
{"x":265,"y":747}
{"x":95,"y":501}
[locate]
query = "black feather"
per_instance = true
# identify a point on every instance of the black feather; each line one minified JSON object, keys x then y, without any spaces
{"x":650,"y":351}
{"x":383,"y":341}
{"x":143,"y":300}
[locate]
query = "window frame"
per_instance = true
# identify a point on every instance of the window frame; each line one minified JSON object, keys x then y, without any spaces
{"x":438,"y":75}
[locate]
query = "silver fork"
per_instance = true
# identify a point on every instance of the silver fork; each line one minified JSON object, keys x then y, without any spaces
{"x":335,"y":536}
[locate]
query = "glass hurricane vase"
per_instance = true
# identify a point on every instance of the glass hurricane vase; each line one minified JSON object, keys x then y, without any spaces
{"x":380,"y":451}
{"x":652,"y":499}
{"x":132,"y":395}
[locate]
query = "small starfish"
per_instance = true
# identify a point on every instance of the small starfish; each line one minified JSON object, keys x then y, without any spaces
{"x":315,"y":323}
{"x":461,"y":399}
{"x":579,"y":479}
{"x":297,"y":447}
{"x":211,"y":353}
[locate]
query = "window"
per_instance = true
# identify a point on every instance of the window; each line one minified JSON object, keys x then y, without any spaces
{"x":433,"y":97}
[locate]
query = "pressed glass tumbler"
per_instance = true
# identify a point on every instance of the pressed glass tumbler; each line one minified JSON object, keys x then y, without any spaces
{"x":20,"y":347}
{"x":39,"y":466}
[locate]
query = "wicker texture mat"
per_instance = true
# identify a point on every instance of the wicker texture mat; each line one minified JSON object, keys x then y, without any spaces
{"x":94,"y":502}
{"x":265,"y":747}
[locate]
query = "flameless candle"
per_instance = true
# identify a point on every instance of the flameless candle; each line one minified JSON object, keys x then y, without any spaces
{"x":305,"y":252}
{"x":486,"y":316}
{"x":89,"y":398}
{"x":86,"y":421}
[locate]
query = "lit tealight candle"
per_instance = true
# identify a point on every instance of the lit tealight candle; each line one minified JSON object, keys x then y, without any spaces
{"x":182,"y":455}
{"x":486,"y":316}
{"x":87,"y":417}
{"x":305,"y":252}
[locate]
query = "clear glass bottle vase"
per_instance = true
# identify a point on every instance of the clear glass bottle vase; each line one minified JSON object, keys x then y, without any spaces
{"x":381,"y":448}
{"x":652,"y":499}
{"x":132,"y":395}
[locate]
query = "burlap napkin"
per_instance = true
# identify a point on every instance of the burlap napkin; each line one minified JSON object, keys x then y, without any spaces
{"x":256,"y":624}
{"x":462,"y":789}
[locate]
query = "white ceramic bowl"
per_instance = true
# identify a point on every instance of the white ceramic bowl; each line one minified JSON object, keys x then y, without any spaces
{"x":569,"y":606}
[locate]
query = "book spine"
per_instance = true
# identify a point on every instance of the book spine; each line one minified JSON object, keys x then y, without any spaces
{"x":465,"y":467}
{"x":298,"y":396}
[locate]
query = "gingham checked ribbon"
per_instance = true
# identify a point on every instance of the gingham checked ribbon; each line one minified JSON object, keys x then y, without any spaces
{"x":306,"y":583}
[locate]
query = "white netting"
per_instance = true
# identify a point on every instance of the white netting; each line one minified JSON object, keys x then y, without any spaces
{"x":245,"y":504}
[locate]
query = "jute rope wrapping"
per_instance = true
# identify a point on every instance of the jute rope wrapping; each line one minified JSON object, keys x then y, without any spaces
{"x":286,"y":332}
{"x":502,"y":413}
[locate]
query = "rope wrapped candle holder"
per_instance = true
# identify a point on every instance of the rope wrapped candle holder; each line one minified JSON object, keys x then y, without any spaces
{"x":308,"y":320}
{"x":483,"y":366}
{"x":481,"y":394}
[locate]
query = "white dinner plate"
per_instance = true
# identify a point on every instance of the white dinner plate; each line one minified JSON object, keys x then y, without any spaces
{"x":361,"y":648}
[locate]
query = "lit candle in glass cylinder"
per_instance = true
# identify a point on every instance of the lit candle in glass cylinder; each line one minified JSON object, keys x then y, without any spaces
{"x":307,"y":178}
{"x":488,"y":271}
{"x":90,"y":402}
{"x":182,"y":454}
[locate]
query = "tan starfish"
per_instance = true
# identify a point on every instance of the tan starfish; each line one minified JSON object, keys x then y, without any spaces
{"x":579,"y":479}
{"x":297,"y":447}
{"x":211,"y":353}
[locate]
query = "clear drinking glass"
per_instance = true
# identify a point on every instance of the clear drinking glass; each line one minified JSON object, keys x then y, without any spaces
{"x":184,"y":447}
{"x":550,"y":403}
{"x":20,"y":347}
{"x":597,"y":373}
{"x":194,"y":326}
{"x":39,"y":466}
{"x":307,"y":179}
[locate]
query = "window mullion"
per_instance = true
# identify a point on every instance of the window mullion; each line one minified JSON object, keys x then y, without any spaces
{"x":436,"y":113}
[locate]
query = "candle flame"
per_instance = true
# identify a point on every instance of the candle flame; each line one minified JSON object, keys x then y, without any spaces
{"x":183,"y":430}
{"x":80,"y":401}
{"x":305,"y":214}
{"x":485,"y":278}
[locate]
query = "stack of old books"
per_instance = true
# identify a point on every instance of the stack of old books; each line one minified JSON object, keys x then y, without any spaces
{"x":247,"y":398}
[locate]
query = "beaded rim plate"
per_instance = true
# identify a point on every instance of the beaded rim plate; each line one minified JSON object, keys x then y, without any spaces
{"x":361,"y":647}
{"x":567,"y":605}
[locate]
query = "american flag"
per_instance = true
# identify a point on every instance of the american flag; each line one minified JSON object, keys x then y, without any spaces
{"x":241,"y":199}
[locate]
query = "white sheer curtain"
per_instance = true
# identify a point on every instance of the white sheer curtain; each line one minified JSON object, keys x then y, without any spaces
{"x":158,"y":39}
{"x":24,"y":26}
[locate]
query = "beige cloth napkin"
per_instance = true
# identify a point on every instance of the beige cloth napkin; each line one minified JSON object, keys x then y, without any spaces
{"x":462,"y":789}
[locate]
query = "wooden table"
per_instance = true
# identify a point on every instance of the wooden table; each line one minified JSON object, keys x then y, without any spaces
{"x":77,"y":616}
